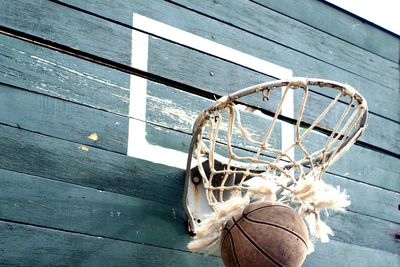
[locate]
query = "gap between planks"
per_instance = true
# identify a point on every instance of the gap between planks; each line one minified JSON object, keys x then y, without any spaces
{"x":153,"y":77}
{"x":333,"y":35}
{"x":162,"y":126}
{"x":227,"y":23}
{"x":256,"y":34}
{"x":182,"y":132}
{"x":90,"y":235}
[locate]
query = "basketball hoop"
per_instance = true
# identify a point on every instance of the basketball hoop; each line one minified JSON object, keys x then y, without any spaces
{"x":222,"y":179}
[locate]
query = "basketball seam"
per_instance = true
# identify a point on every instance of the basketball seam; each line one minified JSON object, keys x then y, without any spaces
{"x":280,"y":227}
{"x":233,"y":243}
{"x":268,"y":206}
{"x":234,"y":250}
{"x":257,"y":246}
{"x":277,"y":225}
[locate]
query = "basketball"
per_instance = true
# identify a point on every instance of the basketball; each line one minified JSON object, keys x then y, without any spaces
{"x":265,"y":234}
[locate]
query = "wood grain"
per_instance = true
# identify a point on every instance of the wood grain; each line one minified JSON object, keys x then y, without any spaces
{"x":63,"y":119}
{"x":53,"y":204}
{"x":334,"y":21}
{"x":24,"y":245}
{"x":70,"y":195}
{"x":96,"y":168}
{"x":43,"y":202}
{"x":29,"y":242}
{"x":298,"y":36}
{"x":102,"y":88}
{"x":387,"y":140}
{"x":214,"y":30}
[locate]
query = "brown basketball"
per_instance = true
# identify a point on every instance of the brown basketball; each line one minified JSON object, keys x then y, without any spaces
{"x":265,"y":234}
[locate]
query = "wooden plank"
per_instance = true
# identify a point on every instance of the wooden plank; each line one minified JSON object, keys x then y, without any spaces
{"x":333,"y":254}
{"x":366,"y":205}
{"x":302,"y":65}
{"x":163,"y":109}
{"x":77,"y":123}
{"x":265,"y":22}
{"x":356,"y":225}
{"x":23,"y":65}
{"x":95,"y":168}
{"x":345,"y":26}
{"x":38,"y":201}
{"x":48,"y":72}
{"x":220,"y":84}
{"x":368,"y":199}
{"x":88,"y":166}
{"x":24,"y":245}
{"x":53,"y":204}
{"x":389,"y":140}
{"x":63,"y":119}
{"x":373,"y":168}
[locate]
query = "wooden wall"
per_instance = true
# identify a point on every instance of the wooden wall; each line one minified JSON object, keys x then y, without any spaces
{"x":70,"y":199}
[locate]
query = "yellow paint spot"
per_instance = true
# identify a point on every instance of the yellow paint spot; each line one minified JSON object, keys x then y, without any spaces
{"x":94,"y":137}
{"x":84,"y":148}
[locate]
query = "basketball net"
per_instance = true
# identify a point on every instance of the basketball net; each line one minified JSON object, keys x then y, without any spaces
{"x":234,"y":177}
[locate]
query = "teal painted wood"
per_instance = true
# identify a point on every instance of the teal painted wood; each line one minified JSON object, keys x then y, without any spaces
{"x":388,"y":140}
{"x":302,"y":65}
{"x":29,"y":242}
{"x":333,"y":254}
{"x":294,"y":34}
{"x":31,"y":109}
{"x":264,"y":22}
{"x":38,"y":201}
{"x":367,"y":199}
{"x":48,"y":72}
{"x":43,"y":202}
{"x":76,"y":123}
{"x":95,"y":168}
{"x":63,"y":119}
{"x":373,"y":168}
{"x":25,"y":66}
{"x":30,"y":246}
{"x":344,"y":26}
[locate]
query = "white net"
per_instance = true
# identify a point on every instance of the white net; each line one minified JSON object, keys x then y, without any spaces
{"x":244,"y":159}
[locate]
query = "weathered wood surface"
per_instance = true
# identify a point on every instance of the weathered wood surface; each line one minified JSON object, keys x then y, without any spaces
{"x":96,"y":168}
{"x":389,"y":140}
{"x":113,"y":173}
{"x":39,"y":201}
{"x":334,"y":21}
{"x":383,"y":171}
{"x":63,"y":119}
{"x":88,"y":166}
{"x":294,"y":34}
{"x":301,"y":64}
{"x":70,"y":199}
{"x":43,"y":202}
{"x":40,"y":70}
{"x":24,"y":245}
{"x":29,"y":242}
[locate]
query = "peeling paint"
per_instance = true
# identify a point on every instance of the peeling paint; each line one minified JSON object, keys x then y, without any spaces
{"x":84,"y":148}
{"x":181,"y":114}
{"x":84,"y":75}
{"x":93,"y":137}
{"x":174,"y":213}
